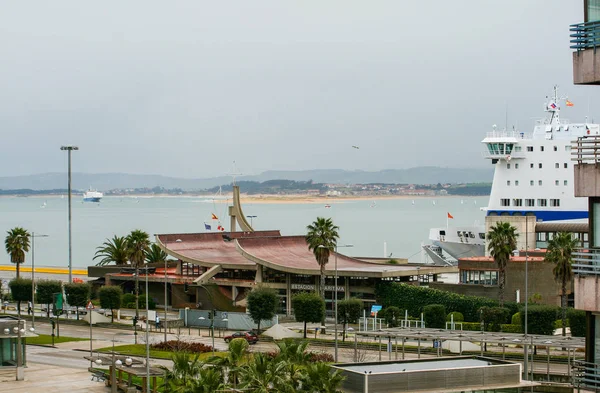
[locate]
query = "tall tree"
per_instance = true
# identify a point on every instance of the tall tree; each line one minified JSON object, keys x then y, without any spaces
{"x":138,"y":244}
{"x":45,"y":292}
{"x":322,"y":237}
{"x":349,"y":312}
{"x":262,"y":304}
{"x":502,"y":240}
{"x":110,"y":297}
{"x":155,"y":254}
{"x":20,"y":290}
{"x":308,"y":307}
{"x":560,"y":252}
{"x":78,"y":294}
{"x":17,"y":244}
{"x":112,"y":251}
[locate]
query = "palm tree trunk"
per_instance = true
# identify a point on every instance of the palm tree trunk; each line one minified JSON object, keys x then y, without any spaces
{"x":137,"y":293}
{"x":322,"y":291}
{"x":18,"y":269}
{"x":304,"y":329}
{"x":501,"y":282}
{"x":563,"y":305}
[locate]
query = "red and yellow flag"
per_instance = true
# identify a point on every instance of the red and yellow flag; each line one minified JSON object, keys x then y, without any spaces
{"x":569,"y":103}
{"x":214,"y":217}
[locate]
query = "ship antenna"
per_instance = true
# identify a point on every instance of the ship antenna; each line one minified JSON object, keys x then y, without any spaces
{"x":506,"y":115}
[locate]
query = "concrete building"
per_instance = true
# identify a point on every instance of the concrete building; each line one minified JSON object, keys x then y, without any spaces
{"x":13,"y":340}
{"x":585,"y":39}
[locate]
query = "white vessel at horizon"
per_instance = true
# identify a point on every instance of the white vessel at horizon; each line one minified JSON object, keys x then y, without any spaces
{"x":92,"y":196}
{"x":533,"y":176}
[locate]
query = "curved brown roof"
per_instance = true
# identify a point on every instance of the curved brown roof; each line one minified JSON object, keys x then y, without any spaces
{"x":291,"y":254}
{"x":558,"y":226}
{"x":209,"y":249}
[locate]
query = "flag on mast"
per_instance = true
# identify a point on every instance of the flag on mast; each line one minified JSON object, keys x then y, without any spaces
{"x":214,"y":217}
{"x":450,"y":215}
{"x":569,"y":103}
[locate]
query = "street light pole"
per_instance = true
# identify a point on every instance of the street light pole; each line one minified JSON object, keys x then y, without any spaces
{"x":251,"y":217}
{"x":69,"y":149}
{"x":166,"y":284}
{"x":526,"y":347}
{"x":147,"y":339}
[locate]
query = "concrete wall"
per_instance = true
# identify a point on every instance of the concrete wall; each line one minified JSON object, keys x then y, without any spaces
{"x":587,"y":293}
{"x":525,"y":229}
{"x":586,"y":68}
{"x":587,"y":180}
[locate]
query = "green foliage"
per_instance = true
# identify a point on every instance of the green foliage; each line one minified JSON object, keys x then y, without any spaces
{"x":458,"y":317}
{"x":77,"y":294}
{"x":493,"y":317}
{"x":262,"y":304}
{"x":349,"y":311}
{"x":516,"y":319}
{"x":308,"y":307}
{"x":141,"y":304}
{"x":540,"y":319}
{"x":413,"y":299}
{"x":128,"y":298}
{"x":434,"y":316}
{"x":392,"y":316}
{"x":501,"y":241}
{"x":112,"y":251}
{"x":20,"y":289}
{"x":110,"y":297}
{"x":16,"y":244}
{"x":322,"y":236}
{"x":155,"y":254}
{"x":137,"y":245}
{"x":45,"y":290}
{"x":511,"y":328}
{"x":577,"y":322}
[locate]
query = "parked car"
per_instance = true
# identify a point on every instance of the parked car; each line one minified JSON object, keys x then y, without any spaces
{"x":251,"y":337}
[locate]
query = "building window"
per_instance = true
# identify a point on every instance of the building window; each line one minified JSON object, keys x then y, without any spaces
{"x":504,"y":202}
{"x":556,"y":182}
{"x":530,"y":202}
{"x":517,"y":148}
{"x":568,"y":148}
{"x":540,"y":165}
{"x":592,"y":10}
{"x":516,"y":166}
{"x":507,"y":166}
{"x":531,"y":165}
{"x":542,"y":202}
{"x":557,"y":165}
{"x":517,"y":202}
{"x":531,"y":182}
{"x":508,"y":182}
{"x":566,"y":165}
{"x":541,"y":148}
{"x":516,"y":182}
{"x":555,"y":202}
{"x":565,"y":182}
{"x":556,"y":147}
{"x":539,"y":182}
{"x":529,"y":148}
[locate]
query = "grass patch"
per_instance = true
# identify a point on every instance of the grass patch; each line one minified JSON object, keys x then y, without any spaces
{"x":140,"y":350}
{"x":45,"y":339}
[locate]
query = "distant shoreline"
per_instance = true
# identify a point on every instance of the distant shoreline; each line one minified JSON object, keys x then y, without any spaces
{"x":265,"y":198}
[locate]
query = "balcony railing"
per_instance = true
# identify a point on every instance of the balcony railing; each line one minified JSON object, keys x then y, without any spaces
{"x":586,"y":262}
{"x":586,"y":150}
{"x":586,"y":375}
{"x":585,"y":36}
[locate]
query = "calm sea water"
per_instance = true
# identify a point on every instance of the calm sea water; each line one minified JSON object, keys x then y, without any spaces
{"x":366,"y":225}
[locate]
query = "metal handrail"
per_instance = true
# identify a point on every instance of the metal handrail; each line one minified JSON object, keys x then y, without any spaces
{"x":585,"y":35}
{"x":586,"y":149}
{"x":586,"y":374}
{"x":586,"y":262}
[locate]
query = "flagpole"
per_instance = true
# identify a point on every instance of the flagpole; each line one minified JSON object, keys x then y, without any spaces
{"x":447,"y":221}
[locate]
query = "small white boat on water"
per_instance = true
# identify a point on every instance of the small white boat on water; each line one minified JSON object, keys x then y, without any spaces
{"x":92,"y":196}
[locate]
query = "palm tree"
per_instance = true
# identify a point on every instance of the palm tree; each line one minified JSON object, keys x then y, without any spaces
{"x":113,"y":251}
{"x":17,"y":244}
{"x":319,"y":378}
{"x":293,"y":351}
{"x":502,"y":240}
{"x":138,"y":244}
{"x":231,"y":362}
{"x":156,"y":254}
{"x":560,"y":252}
{"x":322,"y":237}
{"x":263,"y":375}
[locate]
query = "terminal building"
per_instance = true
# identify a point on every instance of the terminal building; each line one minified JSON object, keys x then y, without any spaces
{"x":218,"y":269}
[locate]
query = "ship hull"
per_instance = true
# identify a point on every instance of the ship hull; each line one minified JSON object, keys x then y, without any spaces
{"x":91,"y":199}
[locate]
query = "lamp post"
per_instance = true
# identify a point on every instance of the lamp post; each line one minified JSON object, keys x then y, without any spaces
{"x":526,"y":346}
{"x":335,"y":290}
{"x":251,"y":217}
{"x":147,"y":338}
{"x":166,"y":284}
{"x":33,"y":236}
{"x":17,"y":329}
{"x":115,"y":363}
{"x":69,"y":149}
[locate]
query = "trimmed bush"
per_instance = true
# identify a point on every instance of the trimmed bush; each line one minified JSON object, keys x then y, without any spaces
{"x":128,"y":298}
{"x":110,"y":297}
{"x":516,"y":319}
{"x":493,"y":317}
{"x":458,"y":317}
{"x":413,"y":299}
{"x":434,"y":316}
{"x":511,"y":328}
{"x":577,"y":322}
{"x":540,"y":319}
{"x":183,"y":346}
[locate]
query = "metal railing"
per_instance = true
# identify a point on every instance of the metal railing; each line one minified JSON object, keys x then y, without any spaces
{"x":586,"y":375}
{"x":585,"y":35}
{"x":586,"y":150}
{"x":586,"y":262}
{"x":508,"y":135}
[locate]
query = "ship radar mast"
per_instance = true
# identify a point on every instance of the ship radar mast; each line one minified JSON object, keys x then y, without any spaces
{"x":553,"y":106}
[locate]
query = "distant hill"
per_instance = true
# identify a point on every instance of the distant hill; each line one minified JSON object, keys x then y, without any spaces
{"x":110,"y":181}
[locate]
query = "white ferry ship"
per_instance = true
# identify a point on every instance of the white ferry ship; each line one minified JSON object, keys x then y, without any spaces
{"x":533,"y":176}
{"x":92,"y":196}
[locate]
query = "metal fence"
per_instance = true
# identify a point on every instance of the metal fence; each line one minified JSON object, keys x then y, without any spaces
{"x":585,"y":35}
{"x":586,"y":375}
{"x":586,"y":150}
{"x":586,"y":262}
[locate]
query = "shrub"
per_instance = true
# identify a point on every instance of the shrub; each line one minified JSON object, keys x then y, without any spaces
{"x":308,"y":307}
{"x":434,"y":316}
{"x":511,"y":328}
{"x":110,"y":297}
{"x":175,"y":345}
{"x":458,"y":317}
{"x":577,"y":322}
{"x":413,"y":299}
{"x":262,"y":304}
{"x":392,"y":316}
{"x":315,"y":357}
{"x":516,"y":319}
{"x":128,"y":298}
{"x":540,"y":319}
{"x":493,"y":317}
{"x":471,"y":326}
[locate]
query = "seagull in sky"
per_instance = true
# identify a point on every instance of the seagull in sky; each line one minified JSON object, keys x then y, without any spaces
{"x":356,"y":147}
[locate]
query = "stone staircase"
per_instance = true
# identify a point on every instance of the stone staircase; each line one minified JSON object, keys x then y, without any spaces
{"x":8,"y":374}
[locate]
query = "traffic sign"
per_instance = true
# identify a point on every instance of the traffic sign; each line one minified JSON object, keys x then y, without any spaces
{"x":89,"y":306}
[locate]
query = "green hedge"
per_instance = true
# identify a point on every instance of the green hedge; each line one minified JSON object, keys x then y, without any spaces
{"x":577,"y":322}
{"x":540,"y":319}
{"x":506,"y":327}
{"x":413,"y":299}
{"x":434,"y":316}
{"x":458,"y":317}
{"x":516,"y":319}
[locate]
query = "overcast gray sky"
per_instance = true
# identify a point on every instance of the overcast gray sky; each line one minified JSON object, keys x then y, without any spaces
{"x":182,"y":88}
